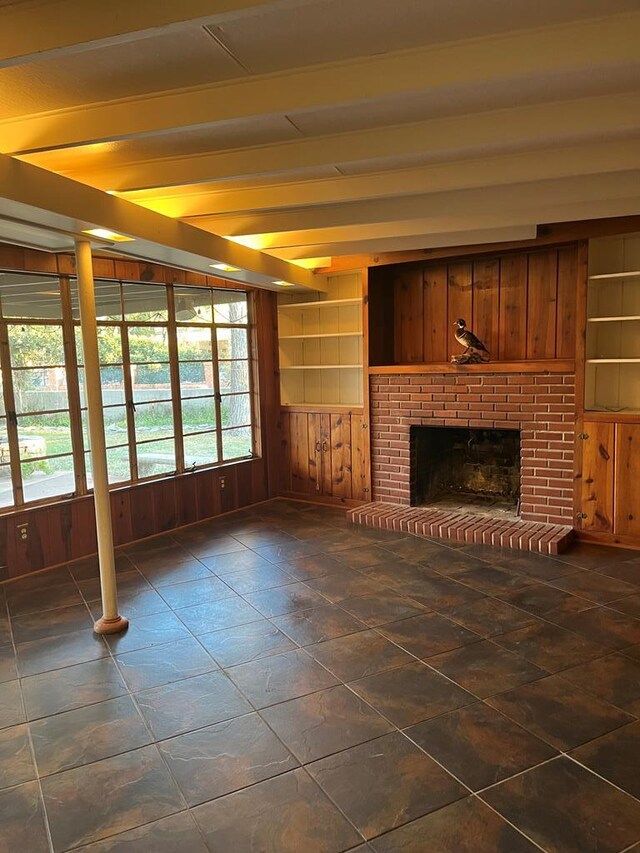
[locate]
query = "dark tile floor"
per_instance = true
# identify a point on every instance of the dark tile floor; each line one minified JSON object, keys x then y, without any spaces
{"x":291,"y":684}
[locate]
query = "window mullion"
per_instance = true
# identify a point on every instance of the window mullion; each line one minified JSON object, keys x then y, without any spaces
{"x":12,"y":421}
{"x":128,"y":393}
{"x":216,"y":390}
{"x":174,"y":375}
{"x":73,"y":388}
{"x":254,"y":374}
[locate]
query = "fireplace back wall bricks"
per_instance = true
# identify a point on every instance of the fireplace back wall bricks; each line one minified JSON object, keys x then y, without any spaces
{"x":542,"y":405}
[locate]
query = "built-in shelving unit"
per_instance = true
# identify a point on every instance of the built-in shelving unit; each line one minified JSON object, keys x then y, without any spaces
{"x":321,"y":345}
{"x":612,"y":371}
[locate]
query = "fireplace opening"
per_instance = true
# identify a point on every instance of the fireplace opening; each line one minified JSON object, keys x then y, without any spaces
{"x":466,"y":469}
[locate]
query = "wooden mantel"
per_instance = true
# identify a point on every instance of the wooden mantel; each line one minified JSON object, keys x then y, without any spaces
{"x":552,"y":365}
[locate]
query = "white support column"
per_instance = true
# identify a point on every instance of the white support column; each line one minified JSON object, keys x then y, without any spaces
{"x":110,"y":622}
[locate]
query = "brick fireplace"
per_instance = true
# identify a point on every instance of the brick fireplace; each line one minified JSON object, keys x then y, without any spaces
{"x":540,"y":405}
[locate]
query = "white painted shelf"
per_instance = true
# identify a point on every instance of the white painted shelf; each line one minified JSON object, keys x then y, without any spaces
{"x":323,"y":366}
{"x":613,"y":319}
{"x":613,"y":361}
{"x":322,"y":303}
{"x":325,"y":335}
{"x":612,"y":275}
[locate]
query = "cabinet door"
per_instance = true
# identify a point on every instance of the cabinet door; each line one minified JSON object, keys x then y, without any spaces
{"x":337,"y":457}
{"x":360,"y":471}
{"x":595,"y":498}
{"x":303,"y":456}
{"x":627,"y":480}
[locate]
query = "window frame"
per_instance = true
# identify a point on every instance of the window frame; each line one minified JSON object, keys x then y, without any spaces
{"x":77,"y":411}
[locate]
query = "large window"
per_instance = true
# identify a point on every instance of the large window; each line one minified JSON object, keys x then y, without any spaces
{"x":176,"y":383}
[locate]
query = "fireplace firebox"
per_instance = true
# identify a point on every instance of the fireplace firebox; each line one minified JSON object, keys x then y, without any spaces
{"x":462,"y":468}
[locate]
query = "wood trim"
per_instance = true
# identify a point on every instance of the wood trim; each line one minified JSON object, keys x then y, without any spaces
{"x":613,"y":417}
{"x":550,"y":234}
{"x":320,"y":408}
{"x":614,"y":540}
{"x":19,"y":259}
{"x":553,"y":365}
{"x":364,"y":448}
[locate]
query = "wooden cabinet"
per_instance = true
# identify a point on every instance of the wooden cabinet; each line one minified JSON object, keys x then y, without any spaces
{"x":595,"y":480}
{"x":608,"y":481}
{"x":326,"y":454}
{"x":627,"y":480}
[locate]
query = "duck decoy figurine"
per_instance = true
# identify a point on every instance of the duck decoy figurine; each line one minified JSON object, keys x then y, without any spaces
{"x":466,"y":338}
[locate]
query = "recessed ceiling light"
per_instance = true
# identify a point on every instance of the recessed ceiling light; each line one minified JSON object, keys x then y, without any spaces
{"x":105,"y":234}
{"x":225,"y":267}
{"x":281,"y":283}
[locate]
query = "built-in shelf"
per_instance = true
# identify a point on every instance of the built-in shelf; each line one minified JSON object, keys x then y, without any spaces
{"x":613,"y":361}
{"x":321,"y":346}
{"x":325,"y":335}
{"x":613,"y":319}
{"x":612,"y":370}
{"x":320,"y":367}
{"x":322,"y":303}
{"x":612,"y":275}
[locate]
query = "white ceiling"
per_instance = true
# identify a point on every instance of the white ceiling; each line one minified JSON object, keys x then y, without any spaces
{"x":318,"y":106}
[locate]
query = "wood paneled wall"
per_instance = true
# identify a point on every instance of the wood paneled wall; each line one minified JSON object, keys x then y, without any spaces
{"x":57,"y":533}
{"x":522,"y":305}
{"x":63,"y":531}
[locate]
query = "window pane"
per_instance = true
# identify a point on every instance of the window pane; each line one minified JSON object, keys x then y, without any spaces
{"x":196,"y":378}
{"x":234,"y":376}
{"x":232,"y":343}
{"x":148,"y":344}
{"x":151,"y":382}
{"x":44,"y":435}
{"x":115,"y":427}
{"x":153,"y":420}
{"x":236,"y":410}
{"x":30,"y":296}
{"x":118,"y":468}
{"x":108,"y":302}
{"x":145,"y":302}
{"x":236,"y":443}
{"x":198,"y":414}
{"x":6,"y":489}
{"x":48,"y":478}
{"x":156,"y":457}
{"x":194,"y":344}
{"x":40,"y":389}
{"x":112,"y":383}
{"x":200,"y":449}
{"x":109,"y":345}
{"x":33,"y":345}
{"x":229,"y":306}
{"x":193,"y":305}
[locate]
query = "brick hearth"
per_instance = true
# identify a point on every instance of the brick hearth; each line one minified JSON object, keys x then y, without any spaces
{"x":466,"y":527}
{"x":541,"y":405}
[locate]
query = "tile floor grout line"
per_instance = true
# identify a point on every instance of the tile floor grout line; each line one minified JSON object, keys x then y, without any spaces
{"x":375,"y":629}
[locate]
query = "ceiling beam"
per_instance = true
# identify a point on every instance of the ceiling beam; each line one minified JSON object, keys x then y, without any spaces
{"x":189,"y":201}
{"x":44,"y":199}
{"x":559,"y":49}
{"x":385,"y":210}
{"x":532,"y":126}
{"x":31,"y":31}
{"x":419,"y":233}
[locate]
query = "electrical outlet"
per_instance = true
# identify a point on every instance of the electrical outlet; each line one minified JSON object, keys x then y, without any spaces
{"x":223,"y":482}
{"x":23,"y":532}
